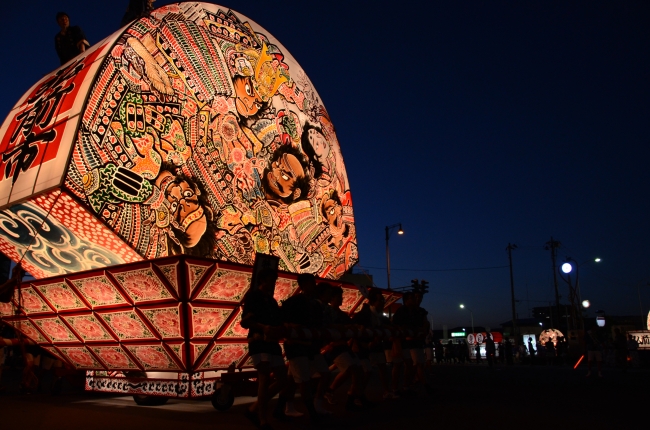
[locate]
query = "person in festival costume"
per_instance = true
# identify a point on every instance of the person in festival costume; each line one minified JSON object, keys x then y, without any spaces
{"x":413,"y":318}
{"x":490,"y":349}
{"x":261,"y":316}
{"x":6,"y":293}
{"x":320,"y":348}
{"x":342,"y":355}
{"x":5,"y":342}
{"x":594,"y":345}
{"x":31,"y":353}
{"x":70,"y":41}
{"x":137,"y":9}
{"x":371,"y":316}
{"x":633,"y":350}
{"x":303,"y":311}
{"x":421,"y":326}
{"x":7,"y":288}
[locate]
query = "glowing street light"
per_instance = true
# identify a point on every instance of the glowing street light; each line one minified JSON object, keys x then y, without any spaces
{"x":462,"y":306}
{"x":586,"y":304}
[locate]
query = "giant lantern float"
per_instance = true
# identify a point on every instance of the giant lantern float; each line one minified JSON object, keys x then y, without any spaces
{"x":183,"y":144}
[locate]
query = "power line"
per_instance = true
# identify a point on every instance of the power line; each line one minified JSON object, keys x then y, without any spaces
{"x":439,"y":270}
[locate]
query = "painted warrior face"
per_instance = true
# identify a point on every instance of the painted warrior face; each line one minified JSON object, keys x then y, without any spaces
{"x":282,"y":176}
{"x":332,"y":211}
{"x":187,"y":211}
{"x":248,"y":102}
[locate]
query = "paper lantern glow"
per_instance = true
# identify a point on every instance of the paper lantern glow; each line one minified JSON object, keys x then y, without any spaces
{"x":192,"y":131}
{"x":551,"y":334}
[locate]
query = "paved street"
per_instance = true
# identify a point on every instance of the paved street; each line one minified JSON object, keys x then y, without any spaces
{"x":466,"y":397}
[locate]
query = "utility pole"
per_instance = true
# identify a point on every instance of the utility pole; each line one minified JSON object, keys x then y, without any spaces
{"x":644,"y":323}
{"x":389,"y":229}
{"x":512,"y":289}
{"x":387,"y":258}
{"x":553,"y":245}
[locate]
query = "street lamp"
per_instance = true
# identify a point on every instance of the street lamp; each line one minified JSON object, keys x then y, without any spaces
{"x":462,"y":306}
{"x":389,"y":230}
{"x":574,"y":293}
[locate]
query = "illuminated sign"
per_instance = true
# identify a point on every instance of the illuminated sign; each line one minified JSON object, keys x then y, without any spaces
{"x":533,"y":338}
{"x":642,"y":337}
{"x":458,"y":334}
{"x":473,"y":338}
{"x":472,"y":351}
{"x":192,"y":131}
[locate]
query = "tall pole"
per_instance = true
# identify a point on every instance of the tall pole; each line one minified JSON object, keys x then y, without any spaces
{"x":581,"y":320}
{"x":575,"y":296}
{"x":387,"y":257}
{"x":573,"y":299}
{"x":389,"y":228}
{"x":471,"y":314}
{"x":567,"y":268}
{"x":553,"y":245}
{"x":512,"y":289}
{"x":643,"y":320}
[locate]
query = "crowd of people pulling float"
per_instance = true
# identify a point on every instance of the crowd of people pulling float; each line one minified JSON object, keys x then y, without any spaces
{"x":318,"y":338}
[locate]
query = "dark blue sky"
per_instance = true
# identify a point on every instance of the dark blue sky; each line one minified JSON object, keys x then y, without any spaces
{"x":473,"y":124}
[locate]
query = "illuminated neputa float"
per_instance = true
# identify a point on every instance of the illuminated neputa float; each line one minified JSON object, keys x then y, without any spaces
{"x":139,"y":180}
{"x":190,"y":132}
{"x":551,"y":334}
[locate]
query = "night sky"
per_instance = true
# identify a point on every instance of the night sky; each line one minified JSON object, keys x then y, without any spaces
{"x":474,"y":125}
